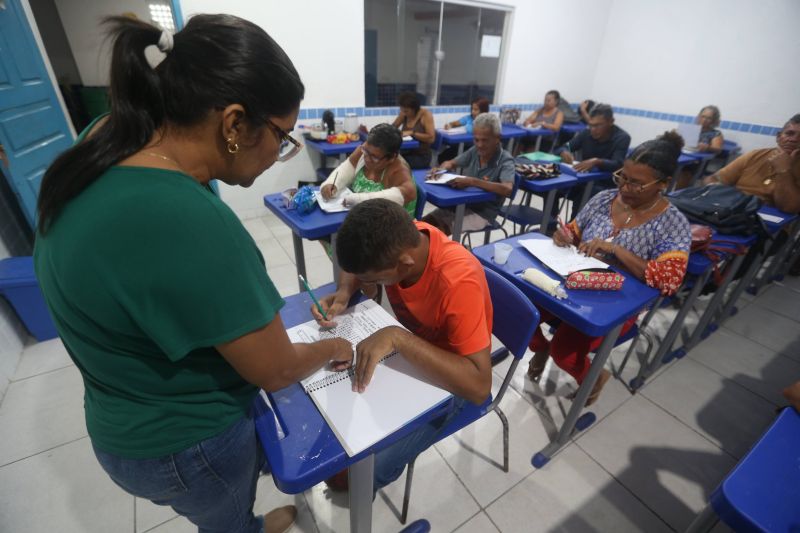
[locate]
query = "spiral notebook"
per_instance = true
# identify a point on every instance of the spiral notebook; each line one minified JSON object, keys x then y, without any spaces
{"x":397,"y":394}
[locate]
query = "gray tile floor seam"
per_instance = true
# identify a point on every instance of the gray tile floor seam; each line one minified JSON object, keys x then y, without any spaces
{"x":776,"y":352}
{"x":625,"y":487}
{"x":48,"y":371}
{"x":48,"y":450}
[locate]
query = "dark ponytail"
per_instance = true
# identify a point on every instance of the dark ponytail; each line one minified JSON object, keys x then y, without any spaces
{"x":661,"y":154}
{"x":216,"y":60}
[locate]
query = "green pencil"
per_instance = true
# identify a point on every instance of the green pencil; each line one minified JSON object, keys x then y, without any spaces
{"x":316,"y":302}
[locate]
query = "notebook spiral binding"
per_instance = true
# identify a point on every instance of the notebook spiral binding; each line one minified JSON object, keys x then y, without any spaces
{"x":337,"y":377}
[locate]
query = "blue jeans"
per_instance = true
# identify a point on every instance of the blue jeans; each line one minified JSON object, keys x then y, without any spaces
{"x":390,"y":462}
{"x":212,"y":483}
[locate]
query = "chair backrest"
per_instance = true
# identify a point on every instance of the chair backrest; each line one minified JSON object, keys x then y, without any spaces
{"x":514,"y":317}
{"x":422,"y":197}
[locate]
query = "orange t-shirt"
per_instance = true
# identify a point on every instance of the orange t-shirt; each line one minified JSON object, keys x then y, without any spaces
{"x":449,"y":305}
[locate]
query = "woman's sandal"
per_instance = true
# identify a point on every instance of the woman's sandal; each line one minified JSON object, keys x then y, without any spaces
{"x":537,"y":364}
{"x":596,"y":390}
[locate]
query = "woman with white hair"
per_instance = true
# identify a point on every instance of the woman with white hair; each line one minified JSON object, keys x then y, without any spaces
{"x":486,"y":165}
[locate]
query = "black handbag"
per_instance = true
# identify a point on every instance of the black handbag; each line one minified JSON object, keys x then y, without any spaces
{"x":723,"y":207}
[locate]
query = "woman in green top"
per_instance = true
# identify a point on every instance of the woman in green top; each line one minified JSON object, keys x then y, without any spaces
{"x":158,"y":292}
{"x":375,"y":170}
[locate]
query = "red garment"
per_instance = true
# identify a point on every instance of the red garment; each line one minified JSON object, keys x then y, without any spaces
{"x":449,"y":305}
{"x":570,"y":348}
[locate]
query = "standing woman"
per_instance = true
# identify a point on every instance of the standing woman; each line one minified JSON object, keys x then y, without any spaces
{"x":416,"y":123}
{"x":159,"y":294}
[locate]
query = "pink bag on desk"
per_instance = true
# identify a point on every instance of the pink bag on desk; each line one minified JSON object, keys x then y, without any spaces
{"x":595,"y":280}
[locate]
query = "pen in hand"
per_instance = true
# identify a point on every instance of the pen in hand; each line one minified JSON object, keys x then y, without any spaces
{"x":314,"y":298}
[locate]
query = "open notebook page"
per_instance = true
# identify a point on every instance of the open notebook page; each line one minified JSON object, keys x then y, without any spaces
{"x":562,"y":260}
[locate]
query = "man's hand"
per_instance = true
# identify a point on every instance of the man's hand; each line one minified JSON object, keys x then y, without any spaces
{"x":333,"y":305}
{"x":462,"y":183}
{"x":566,"y":157}
{"x":369,"y":353}
{"x":587,"y":165}
{"x":447,"y":126}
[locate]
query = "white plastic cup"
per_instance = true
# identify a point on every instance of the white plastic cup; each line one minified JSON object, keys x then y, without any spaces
{"x":501,"y":252}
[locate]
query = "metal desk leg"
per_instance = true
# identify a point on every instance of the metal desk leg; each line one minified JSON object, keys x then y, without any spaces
{"x":587,"y":193}
{"x":538,"y":143}
{"x":564,"y":434}
{"x":299,"y":258}
{"x":460,"y":148}
{"x":744,"y":282}
{"x":547,"y":211}
{"x":459,"y":220}
{"x":701,"y":168}
{"x":510,"y":148}
{"x":713,"y":305}
{"x":335,"y":260}
{"x":665,"y":348}
{"x":360,"y":476}
{"x":778,"y":260}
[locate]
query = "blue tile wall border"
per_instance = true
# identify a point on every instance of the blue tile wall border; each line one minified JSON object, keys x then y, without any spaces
{"x":316,"y":113}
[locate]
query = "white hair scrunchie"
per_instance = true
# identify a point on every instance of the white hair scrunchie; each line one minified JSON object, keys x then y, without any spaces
{"x":165,"y":41}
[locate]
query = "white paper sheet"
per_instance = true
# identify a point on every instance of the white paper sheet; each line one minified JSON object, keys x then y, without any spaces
{"x":443,"y":178}
{"x":396,"y":395}
{"x":454,"y":131}
{"x":562,"y":260}
{"x":771,"y":218}
{"x":334,"y":205}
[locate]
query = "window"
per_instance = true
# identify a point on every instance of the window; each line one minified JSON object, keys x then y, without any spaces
{"x":402,"y":38}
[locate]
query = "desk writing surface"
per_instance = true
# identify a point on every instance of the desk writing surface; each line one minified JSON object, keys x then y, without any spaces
{"x":455,"y":138}
{"x":595,"y":313}
{"x":309,"y":452}
{"x":313,"y":225}
{"x":774,"y":226}
{"x":573,"y":127}
{"x":512,"y":131}
{"x":445,"y":196}
{"x":559,"y":182}
{"x":583,"y":177}
{"x":532,"y":132}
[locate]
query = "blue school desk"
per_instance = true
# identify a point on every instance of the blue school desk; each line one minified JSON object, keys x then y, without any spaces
{"x":313,"y":225}
{"x":686,"y":159}
{"x":341,"y":151}
{"x":508,"y":133}
{"x":788,"y":222}
{"x":445,"y":196}
{"x":538,"y":133}
{"x":549,"y":188}
{"x":573,"y":127}
{"x":595,"y":313}
{"x":301,"y":448}
{"x":587,"y":179}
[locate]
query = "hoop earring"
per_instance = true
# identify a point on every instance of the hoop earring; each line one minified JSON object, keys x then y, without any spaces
{"x":232,"y":147}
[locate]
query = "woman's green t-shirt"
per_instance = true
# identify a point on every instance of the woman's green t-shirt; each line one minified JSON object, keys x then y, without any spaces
{"x":144,"y":273}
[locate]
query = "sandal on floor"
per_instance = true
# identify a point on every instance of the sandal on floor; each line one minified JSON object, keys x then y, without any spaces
{"x":537,"y":364}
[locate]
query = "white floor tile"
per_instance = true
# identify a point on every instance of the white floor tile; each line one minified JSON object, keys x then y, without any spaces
{"x":274,"y":254}
{"x":769,"y":328}
{"x":748,"y":363}
{"x":257,"y":229}
{"x":268,"y":497}
{"x":572,"y":493}
{"x":665,"y":464}
{"x":436,"y":496}
{"x":285,"y":279}
{"x":725,"y":412}
{"x":41,"y":412}
{"x":64,"y":490}
{"x":480,"y":523}
{"x":150,"y":515}
{"x":476,"y":452}
{"x":42,"y":357}
{"x":178,"y":524}
{"x":779,"y":300}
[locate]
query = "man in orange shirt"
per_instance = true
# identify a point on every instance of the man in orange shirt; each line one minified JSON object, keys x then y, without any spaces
{"x":438,"y":291}
{"x":772,"y":174}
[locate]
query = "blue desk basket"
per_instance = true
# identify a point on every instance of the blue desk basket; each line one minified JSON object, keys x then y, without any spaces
{"x":19,"y":286}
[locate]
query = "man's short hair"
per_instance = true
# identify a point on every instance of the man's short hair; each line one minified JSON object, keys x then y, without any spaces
{"x":373,"y":235}
{"x":602,"y":110}
{"x":488,"y":120}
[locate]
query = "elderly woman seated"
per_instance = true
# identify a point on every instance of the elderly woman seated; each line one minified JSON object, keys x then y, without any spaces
{"x":633,"y":227}
{"x":374,"y":170}
{"x":487,"y":166}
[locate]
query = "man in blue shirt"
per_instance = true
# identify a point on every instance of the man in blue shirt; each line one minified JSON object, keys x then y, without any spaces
{"x":602,"y":145}
{"x":487,"y":166}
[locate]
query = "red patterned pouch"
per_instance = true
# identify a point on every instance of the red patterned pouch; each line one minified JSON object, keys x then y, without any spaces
{"x":595,"y":280}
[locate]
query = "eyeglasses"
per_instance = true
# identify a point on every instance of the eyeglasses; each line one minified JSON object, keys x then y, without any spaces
{"x":621,"y":180}
{"x":289,"y":145}
{"x":371,"y":157}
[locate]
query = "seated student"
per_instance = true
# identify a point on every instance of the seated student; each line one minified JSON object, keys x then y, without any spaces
{"x":375,"y":170}
{"x":772,"y":174}
{"x":549,"y":117}
{"x":710,"y":140}
{"x":479,"y":105}
{"x":417,"y":123}
{"x":487,"y":166}
{"x":603,"y":145}
{"x":633,"y":227}
{"x":438,"y":291}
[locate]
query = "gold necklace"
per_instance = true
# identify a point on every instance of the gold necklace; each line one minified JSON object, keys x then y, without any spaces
{"x":628,"y":209}
{"x":165,"y":158}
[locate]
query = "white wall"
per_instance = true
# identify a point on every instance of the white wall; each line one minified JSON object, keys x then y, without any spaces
{"x":81,"y":22}
{"x":737,"y":54}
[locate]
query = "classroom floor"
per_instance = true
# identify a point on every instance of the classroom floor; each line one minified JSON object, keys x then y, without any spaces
{"x":647,"y":464}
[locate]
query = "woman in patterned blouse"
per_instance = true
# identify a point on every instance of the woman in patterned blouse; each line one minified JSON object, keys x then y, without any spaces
{"x":633,"y":227}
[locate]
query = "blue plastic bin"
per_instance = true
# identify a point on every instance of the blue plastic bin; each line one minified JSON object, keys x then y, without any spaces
{"x":18,"y":284}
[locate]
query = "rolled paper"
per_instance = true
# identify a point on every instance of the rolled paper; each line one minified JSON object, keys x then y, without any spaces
{"x":544,"y":282}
